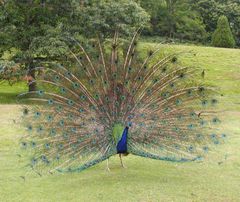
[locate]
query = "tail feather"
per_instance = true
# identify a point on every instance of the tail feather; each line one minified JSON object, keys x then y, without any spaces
{"x":171,"y":112}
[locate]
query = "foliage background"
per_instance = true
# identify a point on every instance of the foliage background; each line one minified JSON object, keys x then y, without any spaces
{"x":36,"y":31}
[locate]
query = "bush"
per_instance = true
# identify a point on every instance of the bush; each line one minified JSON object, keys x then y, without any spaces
{"x":10,"y":72}
{"x":223,"y":37}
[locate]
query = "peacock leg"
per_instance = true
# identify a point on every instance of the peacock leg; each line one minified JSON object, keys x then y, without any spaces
{"x":120,"y":156}
{"x":107,"y":168}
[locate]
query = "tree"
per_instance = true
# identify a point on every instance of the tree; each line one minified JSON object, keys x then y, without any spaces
{"x":10,"y":71}
{"x":188,"y":23}
{"x":175,"y":19}
{"x":231,"y":9}
{"x":222,"y":37}
{"x":105,"y":17}
{"x":157,"y":11}
{"x":171,"y":17}
{"x":211,"y":10}
{"x":37,"y":29}
{"x":22,"y":22}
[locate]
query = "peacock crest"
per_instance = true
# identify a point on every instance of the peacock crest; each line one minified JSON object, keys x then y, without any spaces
{"x":115,"y":101}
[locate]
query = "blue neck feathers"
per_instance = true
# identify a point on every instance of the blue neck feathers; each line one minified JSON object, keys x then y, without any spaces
{"x":122,"y":143}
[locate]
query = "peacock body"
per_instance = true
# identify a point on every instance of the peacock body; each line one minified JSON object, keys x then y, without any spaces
{"x":114,"y":102}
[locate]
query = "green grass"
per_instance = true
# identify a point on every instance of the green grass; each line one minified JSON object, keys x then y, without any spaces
{"x":221,"y":65}
{"x":8,"y":94}
{"x":144,"y":179}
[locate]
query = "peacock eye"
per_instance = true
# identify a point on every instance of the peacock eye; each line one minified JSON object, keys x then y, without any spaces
{"x":25,"y":111}
{"x":182,"y":75}
{"x":75,"y":85}
{"x":201,"y":89}
{"x":164,"y":69}
{"x":214,"y":101}
{"x":40,"y":92}
{"x":150,"y":53}
{"x":204,"y":102}
{"x":174,"y":59}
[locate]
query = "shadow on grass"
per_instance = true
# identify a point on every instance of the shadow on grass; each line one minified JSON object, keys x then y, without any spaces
{"x":8,"y":93}
{"x":8,"y":98}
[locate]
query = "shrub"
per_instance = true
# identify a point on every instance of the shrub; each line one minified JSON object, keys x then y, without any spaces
{"x":10,"y":72}
{"x":223,"y":37}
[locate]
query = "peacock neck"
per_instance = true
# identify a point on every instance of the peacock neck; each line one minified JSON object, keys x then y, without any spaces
{"x":120,"y":134}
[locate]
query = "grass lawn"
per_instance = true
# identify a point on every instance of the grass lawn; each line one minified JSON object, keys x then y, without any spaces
{"x":8,"y":94}
{"x":144,"y":179}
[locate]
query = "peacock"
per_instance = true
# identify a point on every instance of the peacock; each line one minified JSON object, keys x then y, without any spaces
{"x":118,"y":101}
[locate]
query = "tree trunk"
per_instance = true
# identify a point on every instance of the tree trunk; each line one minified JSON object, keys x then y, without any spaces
{"x":32,"y":86}
{"x":171,"y":16}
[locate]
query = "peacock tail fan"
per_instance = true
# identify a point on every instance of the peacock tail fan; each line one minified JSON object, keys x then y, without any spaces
{"x":76,"y":118}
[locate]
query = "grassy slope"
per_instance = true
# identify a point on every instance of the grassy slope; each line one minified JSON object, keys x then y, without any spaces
{"x":145,"y":179}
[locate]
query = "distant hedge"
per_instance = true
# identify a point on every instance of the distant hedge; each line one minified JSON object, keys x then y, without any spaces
{"x":223,"y":37}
